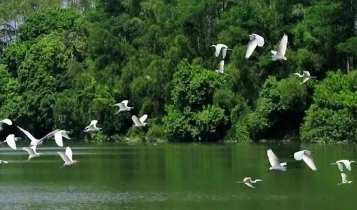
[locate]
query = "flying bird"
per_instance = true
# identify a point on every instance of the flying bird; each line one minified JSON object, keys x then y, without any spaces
{"x":305,"y":155}
{"x":139,"y":122}
{"x":344,"y":179}
{"x":249,"y":182}
{"x":10,"y":140}
{"x":2,"y":161}
{"x":58,"y":137}
{"x":92,"y":127}
{"x":274,"y":162}
{"x":255,"y":40}
{"x":6,"y":121}
{"x":305,"y":76}
{"x":32,"y":152}
{"x":123,"y":106}
{"x":347,"y":164}
{"x":220,"y":67}
{"x":219,"y":48}
{"x":67,"y":157}
{"x":35,"y":141}
{"x":280,"y":54}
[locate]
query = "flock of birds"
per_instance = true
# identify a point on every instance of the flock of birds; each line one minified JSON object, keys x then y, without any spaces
{"x":304,"y":155}
{"x":257,"y":40}
{"x":58,"y":136}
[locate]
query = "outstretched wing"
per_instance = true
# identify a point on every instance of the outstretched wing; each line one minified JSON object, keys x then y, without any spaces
{"x":283,"y":45}
{"x":143,"y":118}
{"x":249,"y":184}
{"x":6,"y":121}
{"x":344,"y":177}
{"x":260,"y":40}
{"x":65,"y":158}
{"x":273,"y":159}
{"x":69,"y":153}
{"x":136,"y":120}
{"x":10,"y":140}
{"x":49,"y":135}
{"x":125,"y":102}
{"x":224,"y":51}
{"x":340,"y":166}
{"x":221,"y":66}
{"x":309,"y":161}
{"x":58,"y":138}
{"x":33,"y":139}
{"x":252,"y":44}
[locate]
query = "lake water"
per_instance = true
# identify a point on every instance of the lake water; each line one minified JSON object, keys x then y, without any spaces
{"x":175,"y":177}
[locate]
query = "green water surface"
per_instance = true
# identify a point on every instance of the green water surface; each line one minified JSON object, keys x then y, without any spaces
{"x":176,"y":177}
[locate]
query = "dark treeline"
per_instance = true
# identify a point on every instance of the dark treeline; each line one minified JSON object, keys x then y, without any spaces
{"x":68,"y":66}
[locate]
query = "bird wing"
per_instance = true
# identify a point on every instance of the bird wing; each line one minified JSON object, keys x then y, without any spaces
{"x":221,"y":66}
{"x":298,"y":155}
{"x":305,"y":79}
{"x":252,"y":44}
{"x":346,"y":163}
{"x":122,"y":106}
{"x":33,"y":139}
{"x":309,"y":161}
{"x":218,"y":49}
{"x":93,"y":122}
{"x":273,"y":52}
{"x":6,"y":121}
{"x":65,"y":158}
{"x":273,"y":159}
{"x":136,"y":120}
{"x":306,"y":73}
{"x":28,"y":150}
{"x":143,"y":118}
{"x":69,"y":153}
{"x":283,"y":164}
{"x":344,"y":177}
{"x":246,"y":179}
{"x":49,"y":135}
{"x":249,"y":184}
{"x":34,"y":148}
{"x":259,"y":39}
{"x":224,"y":51}
{"x":340,"y":166}
{"x":10,"y":140}
{"x":125,"y":102}
{"x":58,"y":138}
{"x":283,"y":45}
{"x":65,"y":135}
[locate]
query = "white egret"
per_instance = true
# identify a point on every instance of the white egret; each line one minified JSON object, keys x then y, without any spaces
{"x":305,"y":155}
{"x":6,"y":121}
{"x":92,"y":127}
{"x":280,"y":54}
{"x":67,"y":157}
{"x":220,"y":67}
{"x":274,"y":162}
{"x":249,"y":182}
{"x":32,"y":152}
{"x":347,"y":164}
{"x":139,"y":122}
{"x":2,"y":161}
{"x":35,"y":141}
{"x":344,"y":179}
{"x":10,"y":140}
{"x":58,"y":137}
{"x":123,"y":106}
{"x":220,"y":47}
{"x":305,"y":76}
{"x":255,"y":40}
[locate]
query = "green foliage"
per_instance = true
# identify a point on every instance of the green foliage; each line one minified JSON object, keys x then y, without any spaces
{"x":69,"y":66}
{"x":333,"y":115}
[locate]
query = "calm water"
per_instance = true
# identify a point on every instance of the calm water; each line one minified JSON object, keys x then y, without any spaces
{"x":175,"y":177}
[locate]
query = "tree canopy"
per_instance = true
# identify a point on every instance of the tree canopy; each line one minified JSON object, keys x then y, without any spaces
{"x":73,"y":60}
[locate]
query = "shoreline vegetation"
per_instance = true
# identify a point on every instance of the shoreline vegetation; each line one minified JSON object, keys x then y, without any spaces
{"x":68,"y":66}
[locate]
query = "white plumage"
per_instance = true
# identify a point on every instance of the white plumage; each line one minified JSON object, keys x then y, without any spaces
{"x":123,"y":106}
{"x":305,"y":155}
{"x":92,"y":127}
{"x":32,"y":152}
{"x":58,"y":137}
{"x":274,"y":161}
{"x":280,"y":54}
{"x":344,"y":179}
{"x":347,"y":164}
{"x":35,"y":141}
{"x":6,"y":121}
{"x":219,"y":48}
{"x":220,"y":67}
{"x":255,"y":40}
{"x":249,"y":182}
{"x":305,"y":76}
{"x":67,"y":157}
{"x":139,"y":122}
{"x":10,"y":140}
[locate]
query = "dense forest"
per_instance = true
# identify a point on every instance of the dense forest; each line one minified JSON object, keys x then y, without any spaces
{"x":69,"y":65}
